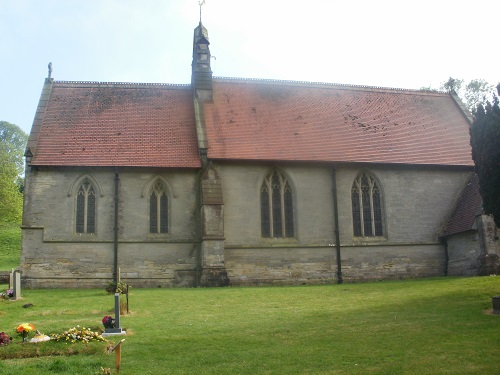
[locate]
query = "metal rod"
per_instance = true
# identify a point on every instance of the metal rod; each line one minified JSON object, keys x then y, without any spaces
{"x":115,"y":240}
{"x":336,"y":228}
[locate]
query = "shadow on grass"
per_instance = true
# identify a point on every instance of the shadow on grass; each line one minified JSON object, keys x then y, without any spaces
{"x":30,"y":350}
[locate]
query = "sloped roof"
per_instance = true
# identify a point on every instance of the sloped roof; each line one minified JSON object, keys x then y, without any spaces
{"x":295,"y":121}
{"x":116,"y":124}
{"x":468,"y":206}
{"x":111,"y":124}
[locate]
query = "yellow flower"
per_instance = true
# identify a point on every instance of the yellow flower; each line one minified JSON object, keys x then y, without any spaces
{"x":25,"y":327}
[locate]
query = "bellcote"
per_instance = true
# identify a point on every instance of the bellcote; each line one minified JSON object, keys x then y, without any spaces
{"x":201,"y":76}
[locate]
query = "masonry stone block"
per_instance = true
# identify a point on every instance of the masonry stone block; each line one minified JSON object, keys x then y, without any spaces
{"x":220,"y":241}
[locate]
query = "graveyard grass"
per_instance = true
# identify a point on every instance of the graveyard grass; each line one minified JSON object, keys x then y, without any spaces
{"x":10,"y":246}
{"x":426,"y":326}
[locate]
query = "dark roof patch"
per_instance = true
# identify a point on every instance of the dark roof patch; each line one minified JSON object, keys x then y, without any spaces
{"x":303,"y":121}
{"x":468,"y":206}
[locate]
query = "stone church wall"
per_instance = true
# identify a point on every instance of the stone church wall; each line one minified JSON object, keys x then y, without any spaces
{"x":464,"y":253}
{"x":53,"y":254}
{"x":475,"y":252}
{"x":318,"y":265}
{"x":416,"y":203}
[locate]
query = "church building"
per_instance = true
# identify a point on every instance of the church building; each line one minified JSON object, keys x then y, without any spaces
{"x":230,"y":181}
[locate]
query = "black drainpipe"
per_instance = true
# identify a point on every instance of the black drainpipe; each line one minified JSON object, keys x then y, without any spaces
{"x":446,"y":255}
{"x":115,"y":240}
{"x":337,"y":231}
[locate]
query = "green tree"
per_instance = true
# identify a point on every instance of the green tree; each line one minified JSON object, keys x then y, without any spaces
{"x":476,"y":92}
{"x":13,"y":142}
{"x":11,"y":198}
{"x":485,"y":142}
{"x":453,"y":84}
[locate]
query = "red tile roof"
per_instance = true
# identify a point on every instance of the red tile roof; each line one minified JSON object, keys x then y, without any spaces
{"x":113,"y":124}
{"x":468,"y":206}
{"x":293,"y":121}
{"x":110,"y":124}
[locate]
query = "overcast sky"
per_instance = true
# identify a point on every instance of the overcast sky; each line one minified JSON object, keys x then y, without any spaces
{"x":402,"y":44}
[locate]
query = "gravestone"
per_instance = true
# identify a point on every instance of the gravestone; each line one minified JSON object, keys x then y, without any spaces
{"x":17,"y":284}
{"x":11,"y":279}
{"x":118,"y":329}
{"x":496,"y":304}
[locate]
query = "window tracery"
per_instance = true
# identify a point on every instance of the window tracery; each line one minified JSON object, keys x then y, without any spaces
{"x":366,"y":201}
{"x":276,"y":200}
{"x":158,"y":208}
{"x":85,"y":207}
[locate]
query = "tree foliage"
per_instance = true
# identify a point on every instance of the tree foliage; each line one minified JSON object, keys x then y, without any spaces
{"x":11,"y":199}
{"x":13,"y":142}
{"x":485,"y":142}
{"x":476,"y":92}
{"x":452,"y":84}
{"x":482,"y":101}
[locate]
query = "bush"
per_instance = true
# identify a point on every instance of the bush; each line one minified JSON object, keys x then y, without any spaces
{"x":120,"y":287}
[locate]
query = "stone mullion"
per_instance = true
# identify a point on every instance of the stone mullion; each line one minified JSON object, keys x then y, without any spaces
{"x":85,"y":206}
{"x":158,"y":212}
{"x":85,"y":209}
{"x":372,"y":211}
{"x":282,"y":198}
{"x":360,"y":197}
{"x":270,"y":208}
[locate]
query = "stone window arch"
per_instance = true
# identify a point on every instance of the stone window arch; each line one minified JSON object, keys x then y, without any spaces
{"x":86,"y":204}
{"x":276,"y":206}
{"x":159,"y":206}
{"x":366,"y":198}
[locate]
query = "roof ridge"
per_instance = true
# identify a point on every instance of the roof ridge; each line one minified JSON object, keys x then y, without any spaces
{"x":135,"y":84}
{"x":330,"y":84}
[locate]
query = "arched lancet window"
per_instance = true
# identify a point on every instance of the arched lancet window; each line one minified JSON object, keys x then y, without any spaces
{"x":366,"y":206}
{"x":85,"y":207}
{"x":276,"y":206}
{"x":158,"y":208}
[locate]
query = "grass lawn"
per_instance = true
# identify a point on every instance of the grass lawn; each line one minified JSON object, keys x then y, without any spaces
{"x":429,"y":326}
{"x":10,"y":246}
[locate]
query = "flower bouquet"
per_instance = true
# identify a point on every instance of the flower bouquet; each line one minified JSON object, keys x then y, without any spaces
{"x":77,"y":333}
{"x":9,"y":293}
{"x":5,"y":339}
{"x":39,"y":337}
{"x":24,"y":330}
{"x":108,"y":322}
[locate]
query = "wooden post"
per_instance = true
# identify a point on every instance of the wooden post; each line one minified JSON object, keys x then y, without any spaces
{"x":127,"y":298}
{"x":118,"y":355}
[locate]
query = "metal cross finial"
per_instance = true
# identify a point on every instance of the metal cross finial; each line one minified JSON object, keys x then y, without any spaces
{"x":200,"y":3}
{"x":50,"y":70}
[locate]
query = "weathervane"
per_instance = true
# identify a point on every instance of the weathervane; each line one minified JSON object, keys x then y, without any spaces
{"x":201,"y":3}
